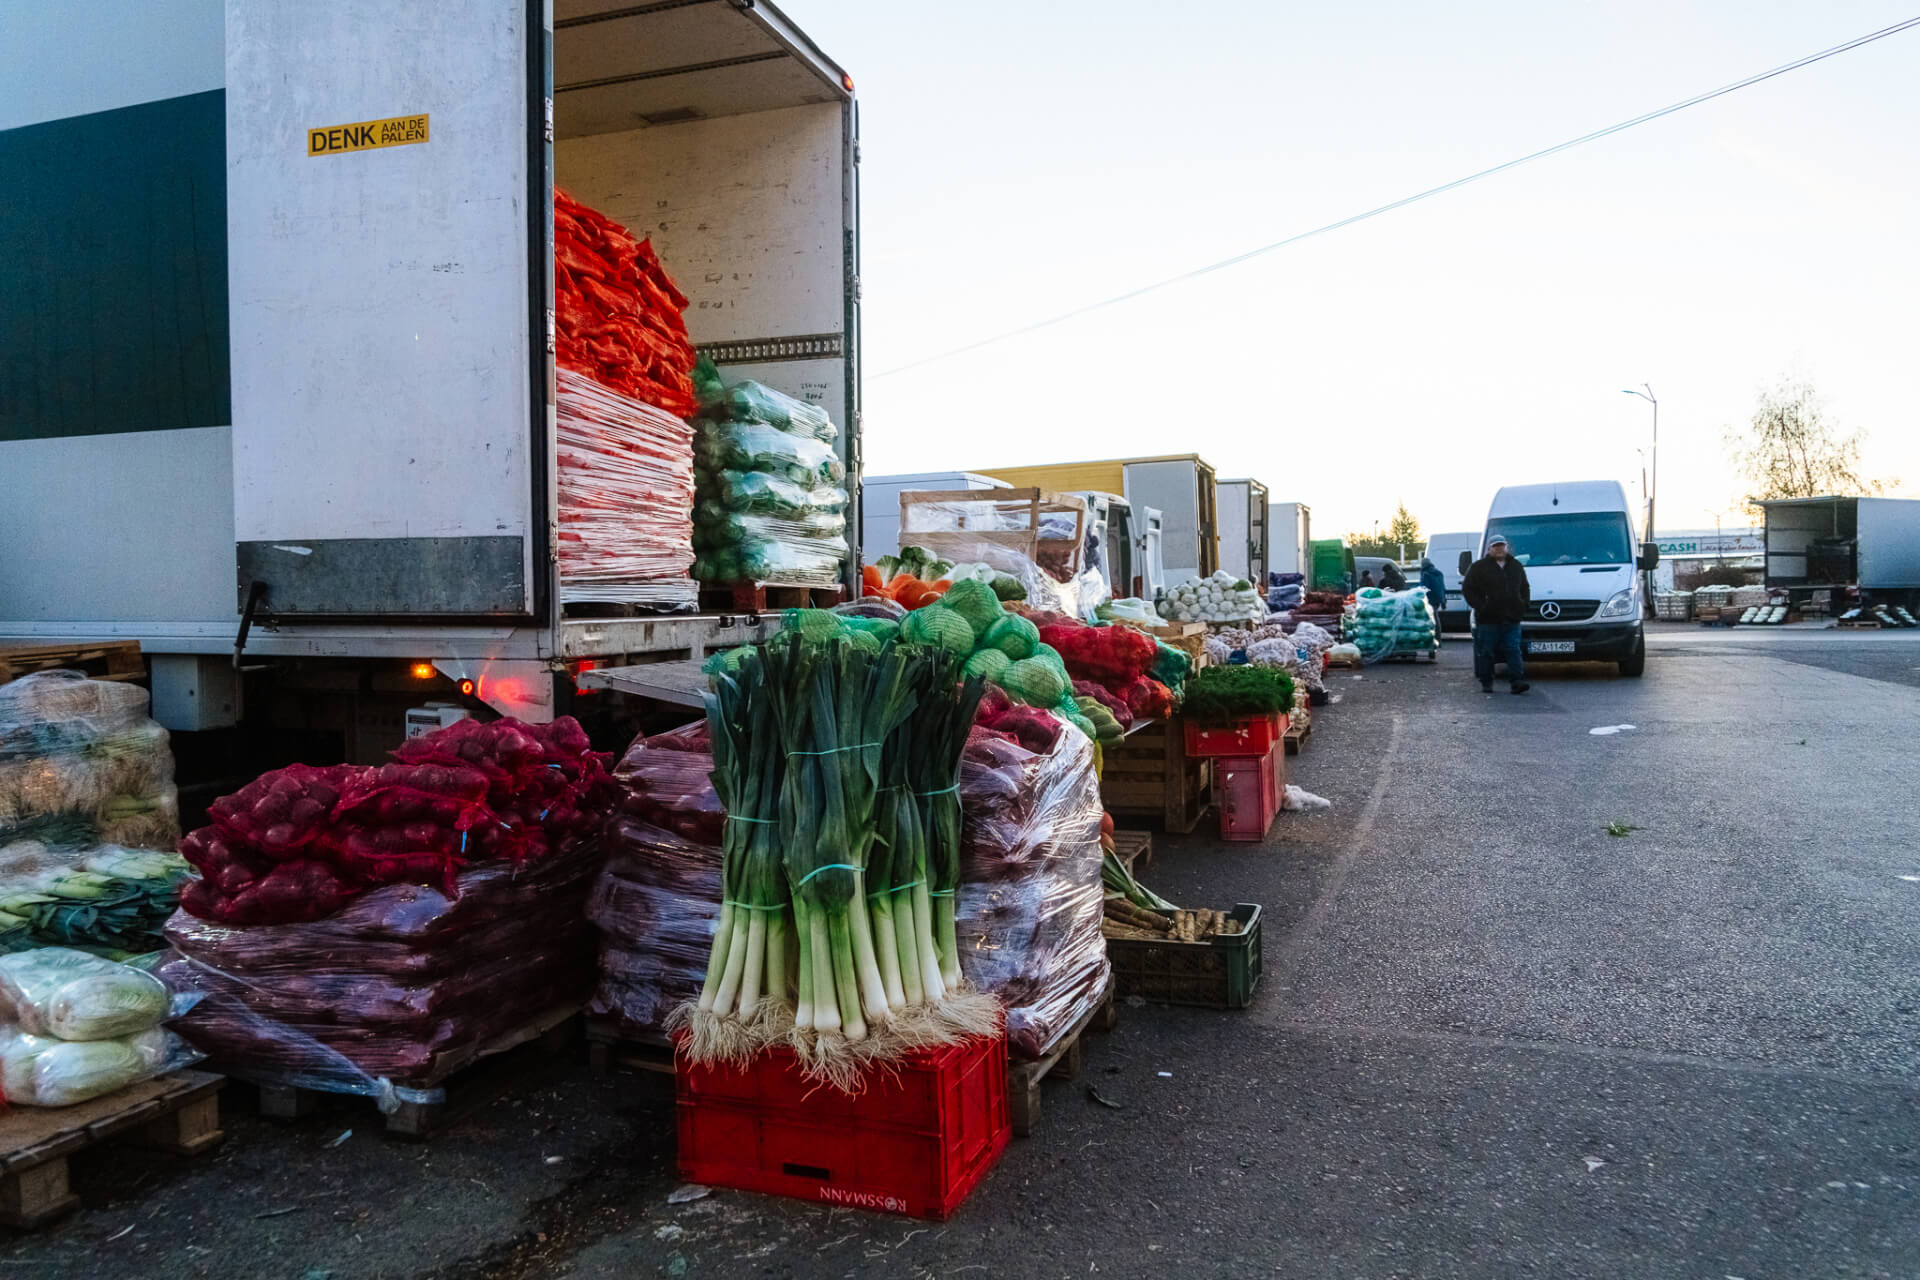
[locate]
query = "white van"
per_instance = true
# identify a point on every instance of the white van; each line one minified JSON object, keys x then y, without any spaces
{"x":1577,"y":543}
{"x":1444,"y":550}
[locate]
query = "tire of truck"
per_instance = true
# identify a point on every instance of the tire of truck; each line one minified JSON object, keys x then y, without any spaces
{"x":1637,"y":664}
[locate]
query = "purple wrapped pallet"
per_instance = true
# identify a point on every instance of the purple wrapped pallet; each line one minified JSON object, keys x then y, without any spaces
{"x":1028,"y":913}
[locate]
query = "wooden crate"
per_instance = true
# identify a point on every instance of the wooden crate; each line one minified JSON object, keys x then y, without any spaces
{"x":1134,"y":850}
{"x":1297,"y":734}
{"x":1023,"y":1078}
{"x":100,"y":659}
{"x":178,"y":1112}
{"x":767,"y":597}
{"x":1149,"y":775}
{"x":463,"y":1079}
{"x":1007,"y":519}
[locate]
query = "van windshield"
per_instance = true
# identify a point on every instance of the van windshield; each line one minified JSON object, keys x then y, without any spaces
{"x":1587,"y":537}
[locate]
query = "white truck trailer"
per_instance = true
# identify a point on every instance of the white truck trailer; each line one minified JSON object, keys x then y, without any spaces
{"x":1829,"y":546}
{"x":1289,"y":538}
{"x":278,"y":305}
{"x":1244,"y":529}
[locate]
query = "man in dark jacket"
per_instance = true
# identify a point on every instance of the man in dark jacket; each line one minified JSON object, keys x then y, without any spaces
{"x":1497,"y":592}
{"x":1391,"y":579}
{"x":1434,"y":583}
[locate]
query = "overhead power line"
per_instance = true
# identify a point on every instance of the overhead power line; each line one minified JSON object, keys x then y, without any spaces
{"x":1402,"y":203}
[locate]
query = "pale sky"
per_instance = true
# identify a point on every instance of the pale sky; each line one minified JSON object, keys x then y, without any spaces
{"x":1021,"y":159}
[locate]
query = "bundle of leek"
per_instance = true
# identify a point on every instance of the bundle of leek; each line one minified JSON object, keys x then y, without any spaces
{"x":827,"y":744}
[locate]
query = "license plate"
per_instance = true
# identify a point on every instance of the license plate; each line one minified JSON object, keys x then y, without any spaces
{"x":1549,"y":646}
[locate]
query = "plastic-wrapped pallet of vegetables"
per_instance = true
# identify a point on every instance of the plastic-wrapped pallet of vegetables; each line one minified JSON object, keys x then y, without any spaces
{"x":401,"y":985}
{"x":657,"y":901}
{"x":626,"y":498}
{"x":81,"y":766}
{"x":74,"y":1026}
{"x":1030,"y":898}
{"x":1219,"y":598}
{"x":770,"y":497}
{"x":1384,"y":624}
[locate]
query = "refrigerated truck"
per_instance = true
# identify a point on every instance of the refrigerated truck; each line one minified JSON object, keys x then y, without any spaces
{"x":277,"y":328}
{"x":1834,"y":544}
{"x":880,"y":503}
{"x":1243,"y":529}
{"x":1289,"y":538}
{"x":1180,"y":486}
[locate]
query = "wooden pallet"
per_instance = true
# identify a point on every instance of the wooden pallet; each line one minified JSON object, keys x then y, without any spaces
{"x":609,"y":1047}
{"x":1134,"y":849}
{"x":766,"y":597}
{"x":1859,"y":624}
{"x":1150,"y":775}
{"x":465,"y":1079}
{"x":101,"y":659}
{"x":178,"y":1113}
{"x":1297,"y":735}
{"x":1023,"y":1078}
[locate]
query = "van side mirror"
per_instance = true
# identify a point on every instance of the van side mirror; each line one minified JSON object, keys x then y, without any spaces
{"x":1466,"y":561}
{"x":1649,"y":555}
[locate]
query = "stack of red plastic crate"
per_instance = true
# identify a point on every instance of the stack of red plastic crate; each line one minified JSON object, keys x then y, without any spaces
{"x":1249,"y":772}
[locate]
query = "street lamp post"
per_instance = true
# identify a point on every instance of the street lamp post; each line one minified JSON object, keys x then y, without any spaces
{"x":1654,"y":490}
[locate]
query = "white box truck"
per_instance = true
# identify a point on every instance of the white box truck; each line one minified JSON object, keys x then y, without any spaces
{"x":1832,"y":544}
{"x":279,"y":316}
{"x":880,"y":503}
{"x":1289,"y":538}
{"x":1444,"y":550}
{"x":1243,"y":529}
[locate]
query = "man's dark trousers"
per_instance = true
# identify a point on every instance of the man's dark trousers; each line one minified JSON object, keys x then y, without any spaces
{"x":1493,"y":642}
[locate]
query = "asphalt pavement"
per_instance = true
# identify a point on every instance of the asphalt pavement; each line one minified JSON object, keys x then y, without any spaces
{"x":1493,"y":1037}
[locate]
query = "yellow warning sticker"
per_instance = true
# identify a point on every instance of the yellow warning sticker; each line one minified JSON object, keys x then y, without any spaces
{"x":368,"y":135}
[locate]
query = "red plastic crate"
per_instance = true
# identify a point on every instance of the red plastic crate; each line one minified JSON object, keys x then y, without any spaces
{"x":1246,"y":790}
{"x":1277,"y":760}
{"x":916,"y":1140}
{"x":1253,"y":736}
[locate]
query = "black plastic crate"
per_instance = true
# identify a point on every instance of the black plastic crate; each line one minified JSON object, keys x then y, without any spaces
{"x":1220,"y":973}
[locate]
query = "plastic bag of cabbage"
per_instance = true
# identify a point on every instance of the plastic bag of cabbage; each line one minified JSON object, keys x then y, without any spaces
{"x":77,"y":1027}
{"x":1220,"y":598}
{"x":1384,"y":623}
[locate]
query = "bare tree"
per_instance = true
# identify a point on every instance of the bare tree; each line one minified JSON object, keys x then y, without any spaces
{"x":1791,"y":449}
